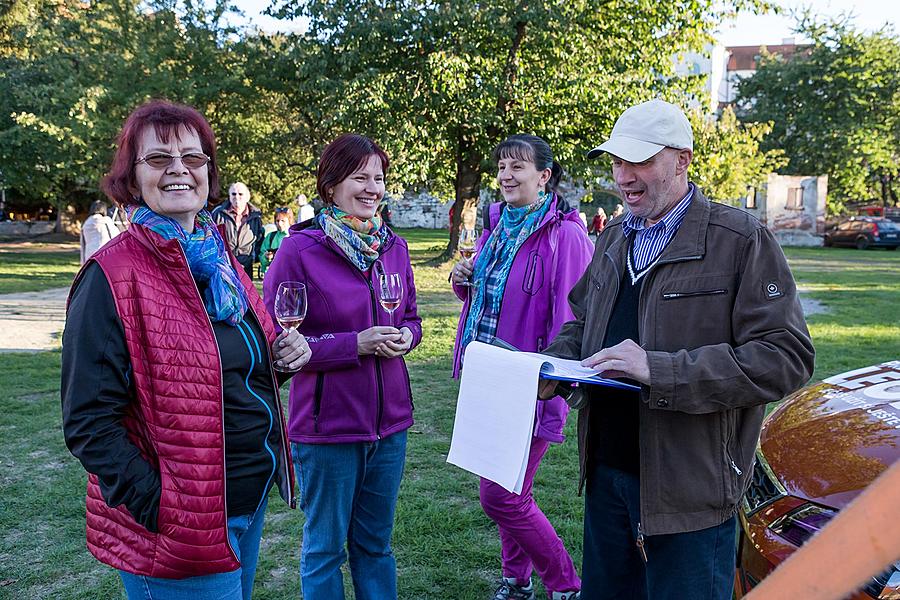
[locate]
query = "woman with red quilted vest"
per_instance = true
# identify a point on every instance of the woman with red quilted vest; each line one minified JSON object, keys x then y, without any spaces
{"x":351,"y":405}
{"x":169,"y":393}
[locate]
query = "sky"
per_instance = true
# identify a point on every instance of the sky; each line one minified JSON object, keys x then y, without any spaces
{"x":747,"y":29}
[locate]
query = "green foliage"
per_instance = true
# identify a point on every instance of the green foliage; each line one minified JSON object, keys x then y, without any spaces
{"x":441,"y":83}
{"x":834,"y":109}
{"x":727,"y":155}
{"x":75,"y":70}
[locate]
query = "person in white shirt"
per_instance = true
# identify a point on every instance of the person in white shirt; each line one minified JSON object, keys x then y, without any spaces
{"x":306,"y":210}
{"x":96,"y":230}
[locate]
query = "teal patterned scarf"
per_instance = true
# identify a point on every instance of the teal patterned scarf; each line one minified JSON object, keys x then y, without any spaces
{"x":516,"y":224}
{"x":360,"y":239}
{"x":224,"y":297}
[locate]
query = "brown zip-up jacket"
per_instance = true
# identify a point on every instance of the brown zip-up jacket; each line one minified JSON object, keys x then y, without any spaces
{"x":724,"y":333}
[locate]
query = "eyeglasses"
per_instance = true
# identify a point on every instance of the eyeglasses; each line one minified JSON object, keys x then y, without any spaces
{"x":161,"y":160}
{"x":282,"y":209}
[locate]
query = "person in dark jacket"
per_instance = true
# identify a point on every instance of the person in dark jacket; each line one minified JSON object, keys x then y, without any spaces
{"x":169,"y":397}
{"x":244,"y":229}
{"x":351,"y":406}
{"x":533,"y":250}
{"x":695,"y":302}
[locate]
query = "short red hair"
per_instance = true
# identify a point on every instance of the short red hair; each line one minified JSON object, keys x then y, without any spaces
{"x":166,"y":118}
{"x":342,"y":157}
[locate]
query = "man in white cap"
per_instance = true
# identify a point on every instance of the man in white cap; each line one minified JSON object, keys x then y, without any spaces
{"x":694,"y":302}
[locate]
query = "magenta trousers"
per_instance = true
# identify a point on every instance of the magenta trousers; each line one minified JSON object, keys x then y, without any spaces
{"x":527,"y":538}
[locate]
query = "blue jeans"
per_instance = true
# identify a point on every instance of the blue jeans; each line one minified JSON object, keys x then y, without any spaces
{"x":244,"y":533}
{"x":696,"y":565}
{"x":348,"y":493}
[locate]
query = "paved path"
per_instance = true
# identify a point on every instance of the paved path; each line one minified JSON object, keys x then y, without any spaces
{"x":32,"y":321}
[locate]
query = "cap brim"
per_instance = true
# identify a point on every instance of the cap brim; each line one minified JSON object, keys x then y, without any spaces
{"x":627,"y":148}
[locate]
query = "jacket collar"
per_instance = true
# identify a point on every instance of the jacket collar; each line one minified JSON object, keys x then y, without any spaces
{"x":689,"y":242}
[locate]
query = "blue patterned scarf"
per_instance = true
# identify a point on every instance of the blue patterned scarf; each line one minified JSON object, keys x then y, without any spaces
{"x":360,"y":239}
{"x":224,"y":297}
{"x":516,"y":224}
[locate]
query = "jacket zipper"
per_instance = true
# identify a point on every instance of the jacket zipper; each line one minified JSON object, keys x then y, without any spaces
{"x":221,"y":405}
{"x":673,"y":295}
{"x":378,"y":375}
{"x":278,"y":420}
{"x":639,"y":542}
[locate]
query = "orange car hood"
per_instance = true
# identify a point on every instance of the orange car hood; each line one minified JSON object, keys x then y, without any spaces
{"x":828,"y":441}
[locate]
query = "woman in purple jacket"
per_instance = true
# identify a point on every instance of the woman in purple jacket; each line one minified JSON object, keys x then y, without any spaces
{"x":350,"y":408}
{"x":533,"y":250}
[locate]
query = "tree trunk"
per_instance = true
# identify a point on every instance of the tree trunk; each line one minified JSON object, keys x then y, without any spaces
{"x":468,"y":189}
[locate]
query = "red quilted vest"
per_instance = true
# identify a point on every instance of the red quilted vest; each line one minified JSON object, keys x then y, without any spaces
{"x":177,"y":420}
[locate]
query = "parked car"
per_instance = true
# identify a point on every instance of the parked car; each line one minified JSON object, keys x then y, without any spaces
{"x":818,"y":451}
{"x":865,"y":232}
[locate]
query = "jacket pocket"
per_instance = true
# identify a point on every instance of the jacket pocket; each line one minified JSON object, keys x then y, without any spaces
{"x":534,"y":274}
{"x":674,"y":295}
{"x":732,"y":470}
{"x":317,"y":399}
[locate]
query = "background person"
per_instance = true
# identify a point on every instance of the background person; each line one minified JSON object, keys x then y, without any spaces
{"x":350,"y":408}
{"x":532,"y":252}
{"x":243,"y":225}
{"x":598,"y":222}
{"x":284,"y":218}
{"x":694,"y":301}
{"x":305,"y":210}
{"x":96,"y":230}
{"x":168,"y":396}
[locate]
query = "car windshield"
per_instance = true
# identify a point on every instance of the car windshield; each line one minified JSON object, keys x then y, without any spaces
{"x":888,"y":226}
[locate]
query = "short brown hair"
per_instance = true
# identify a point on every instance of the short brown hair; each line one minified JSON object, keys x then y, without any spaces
{"x":342,"y":157}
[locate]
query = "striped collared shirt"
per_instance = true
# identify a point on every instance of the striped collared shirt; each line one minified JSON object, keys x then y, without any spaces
{"x":649,"y":242}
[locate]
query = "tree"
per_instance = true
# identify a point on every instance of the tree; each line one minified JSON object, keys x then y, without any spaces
{"x":74,"y":71}
{"x":441,"y":83}
{"x":835,"y":109}
{"x":727,"y":155}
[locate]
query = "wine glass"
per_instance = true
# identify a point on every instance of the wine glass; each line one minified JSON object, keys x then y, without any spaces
{"x":390,"y":291}
{"x":468,"y":239}
{"x":290,"y":304}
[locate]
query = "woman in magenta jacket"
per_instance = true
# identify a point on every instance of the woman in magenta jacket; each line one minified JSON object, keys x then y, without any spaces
{"x":351,"y":406}
{"x":532,"y":251}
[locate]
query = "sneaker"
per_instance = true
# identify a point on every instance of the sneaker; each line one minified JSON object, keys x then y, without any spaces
{"x":510,"y":591}
{"x":576,"y":595}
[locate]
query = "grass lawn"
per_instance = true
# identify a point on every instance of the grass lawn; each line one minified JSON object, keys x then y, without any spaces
{"x":32,"y":267}
{"x":445,"y":546}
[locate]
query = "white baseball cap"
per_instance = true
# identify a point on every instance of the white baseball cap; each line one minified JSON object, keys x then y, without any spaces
{"x":645,"y":129}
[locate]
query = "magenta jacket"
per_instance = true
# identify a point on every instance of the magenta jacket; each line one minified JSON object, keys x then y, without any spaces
{"x":535,"y":301}
{"x":339,"y":396}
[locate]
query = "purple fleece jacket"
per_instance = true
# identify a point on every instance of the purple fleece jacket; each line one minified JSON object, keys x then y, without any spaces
{"x":339,"y":396}
{"x":535,"y":301}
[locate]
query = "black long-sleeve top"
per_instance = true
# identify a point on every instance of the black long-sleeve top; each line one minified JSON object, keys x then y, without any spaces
{"x":97,"y":388}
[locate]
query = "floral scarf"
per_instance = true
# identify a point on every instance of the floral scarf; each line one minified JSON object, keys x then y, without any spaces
{"x":359,"y":239}
{"x":224,"y":297}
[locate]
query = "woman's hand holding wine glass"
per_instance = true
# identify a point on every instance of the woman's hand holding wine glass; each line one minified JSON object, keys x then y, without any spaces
{"x":462,"y":271}
{"x":290,"y":310}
